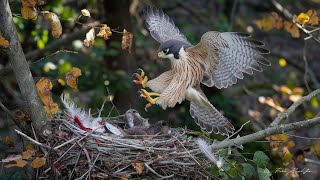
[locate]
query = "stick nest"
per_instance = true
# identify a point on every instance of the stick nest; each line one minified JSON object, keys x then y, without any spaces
{"x":80,"y":154}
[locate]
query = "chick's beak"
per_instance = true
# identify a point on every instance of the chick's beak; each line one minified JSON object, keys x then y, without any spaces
{"x":161,"y":54}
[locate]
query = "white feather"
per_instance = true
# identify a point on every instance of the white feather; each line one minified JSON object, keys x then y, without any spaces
{"x":87,"y":121}
{"x":206,"y":149}
{"x":113,"y":129}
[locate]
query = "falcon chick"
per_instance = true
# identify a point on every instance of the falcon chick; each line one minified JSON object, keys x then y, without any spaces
{"x":217,"y":60}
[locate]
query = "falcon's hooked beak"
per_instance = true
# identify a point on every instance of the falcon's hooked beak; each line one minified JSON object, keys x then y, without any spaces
{"x":161,"y":54}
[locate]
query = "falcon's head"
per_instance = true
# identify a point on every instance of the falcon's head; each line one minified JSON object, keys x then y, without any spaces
{"x":171,"y":49}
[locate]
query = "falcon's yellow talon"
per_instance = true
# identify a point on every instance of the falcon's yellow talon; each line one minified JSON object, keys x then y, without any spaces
{"x":142,"y":78}
{"x":147,"y":95}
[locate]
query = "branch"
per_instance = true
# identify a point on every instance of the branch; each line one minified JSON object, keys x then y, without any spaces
{"x":293,"y":107}
{"x":20,"y":67}
{"x":56,"y":45}
{"x":267,"y":132}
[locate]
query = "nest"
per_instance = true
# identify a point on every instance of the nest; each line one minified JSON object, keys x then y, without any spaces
{"x":79,"y":154}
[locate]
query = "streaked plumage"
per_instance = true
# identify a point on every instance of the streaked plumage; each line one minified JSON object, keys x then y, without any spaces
{"x":217,"y":60}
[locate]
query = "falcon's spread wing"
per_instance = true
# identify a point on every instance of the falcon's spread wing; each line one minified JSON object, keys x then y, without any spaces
{"x":229,"y":55}
{"x":161,"y":27}
{"x":208,"y":117}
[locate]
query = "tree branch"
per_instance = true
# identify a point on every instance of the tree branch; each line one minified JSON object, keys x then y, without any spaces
{"x":267,"y":132}
{"x":293,"y":107}
{"x":20,"y":67}
{"x":56,"y":45}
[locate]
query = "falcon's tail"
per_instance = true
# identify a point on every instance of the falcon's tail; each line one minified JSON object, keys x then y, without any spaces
{"x":212,"y":120}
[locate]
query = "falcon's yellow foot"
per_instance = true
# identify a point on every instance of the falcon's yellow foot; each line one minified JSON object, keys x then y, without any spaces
{"x":141,"y":78}
{"x":148,"y":96}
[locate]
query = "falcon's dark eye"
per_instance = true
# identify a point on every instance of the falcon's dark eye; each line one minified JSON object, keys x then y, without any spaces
{"x":165,"y":51}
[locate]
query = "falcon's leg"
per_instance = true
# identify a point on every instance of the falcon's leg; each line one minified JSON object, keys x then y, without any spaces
{"x":148,"y":96}
{"x":141,"y":78}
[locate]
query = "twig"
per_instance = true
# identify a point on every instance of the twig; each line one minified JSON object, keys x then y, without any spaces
{"x":154,"y":172}
{"x":32,"y":140}
{"x":6,"y":110}
{"x":267,"y":132}
{"x":293,"y":107}
{"x":88,"y":172}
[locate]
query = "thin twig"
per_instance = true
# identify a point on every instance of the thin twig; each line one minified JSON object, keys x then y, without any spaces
{"x":32,"y":140}
{"x":154,"y":172}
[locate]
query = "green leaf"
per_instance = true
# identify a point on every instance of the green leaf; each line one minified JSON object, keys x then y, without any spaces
{"x":264,"y":174}
{"x":261,"y":159}
{"x":248,"y":170}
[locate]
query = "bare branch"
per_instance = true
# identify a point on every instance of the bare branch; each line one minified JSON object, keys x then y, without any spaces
{"x":293,"y":107}
{"x":267,"y":132}
{"x":20,"y":68}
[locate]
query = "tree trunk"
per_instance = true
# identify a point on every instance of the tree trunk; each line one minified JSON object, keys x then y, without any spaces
{"x":117,"y":15}
{"x":21,"y":68}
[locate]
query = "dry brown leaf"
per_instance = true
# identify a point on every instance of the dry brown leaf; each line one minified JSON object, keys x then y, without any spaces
{"x":19,"y":163}
{"x":278,"y":22}
{"x":30,"y":3}
{"x":104,"y":32}
{"x":56,"y":28}
{"x":3,"y":42}
{"x":138,"y":166}
{"x":125,"y":177}
{"x":99,"y":175}
{"x":72,"y":77}
{"x":313,"y":20}
{"x":44,"y":87}
{"x":28,"y":9}
{"x":29,"y":147}
{"x":127,"y":40}
{"x":85,"y":12}
{"x":38,"y":162}
{"x":269,"y":22}
{"x":9,"y":141}
{"x":40,"y":2}
{"x":89,"y":41}
{"x":28,"y":154}
{"x":292,"y":29}
{"x":315,"y":148}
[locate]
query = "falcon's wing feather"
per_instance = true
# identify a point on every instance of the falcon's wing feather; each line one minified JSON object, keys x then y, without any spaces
{"x":230,"y":55}
{"x":161,"y":27}
{"x":208,"y":117}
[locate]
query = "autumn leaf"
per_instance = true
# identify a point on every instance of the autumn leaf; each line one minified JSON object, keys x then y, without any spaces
{"x":56,"y":28}
{"x":19,"y":163}
{"x":28,"y":154}
{"x":269,"y":22}
{"x":104,"y":32}
{"x":315,"y":148}
{"x":313,"y":18}
{"x":292,"y":29}
{"x":282,"y":62}
{"x":3,"y":42}
{"x":38,"y":162}
{"x":272,"y":103}
{"x":127,"y":40}
{"x":44,"y":87}
{"x":9,"y":141}
{"x":72,"y":77}
{"x":28,"y":9}
{"x":138,"y":166}
{"x":302,"y":18}
{"x":89,"y":41}
{"x":85,"y":12}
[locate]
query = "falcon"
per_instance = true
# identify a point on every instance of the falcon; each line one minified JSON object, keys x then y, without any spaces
{"x":219,"y":59}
